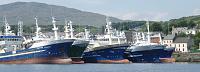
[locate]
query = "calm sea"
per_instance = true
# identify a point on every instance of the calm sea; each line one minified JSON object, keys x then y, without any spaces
{"x":135,"y":67}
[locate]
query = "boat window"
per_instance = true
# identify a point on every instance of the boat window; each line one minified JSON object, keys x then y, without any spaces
{"x":17,"y":39}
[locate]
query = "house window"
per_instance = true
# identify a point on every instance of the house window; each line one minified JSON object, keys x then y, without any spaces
{"x":179,"y":49}
{"x":183,"y":45}
{"x":178,"y":45}
{"x":183,"y":49}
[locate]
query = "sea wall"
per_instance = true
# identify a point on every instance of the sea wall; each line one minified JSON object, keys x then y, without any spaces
{"x":187,"y":57}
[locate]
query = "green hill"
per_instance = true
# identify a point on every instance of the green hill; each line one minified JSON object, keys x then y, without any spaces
{"x":26,"y":11}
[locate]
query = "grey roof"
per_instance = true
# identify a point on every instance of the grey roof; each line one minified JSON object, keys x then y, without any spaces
{"x":181,"y":40}
{"x":169,"y":37}
{"x":181,"y":28}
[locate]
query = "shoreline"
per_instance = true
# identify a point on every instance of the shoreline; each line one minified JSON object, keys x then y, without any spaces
{"x":187,"y":57}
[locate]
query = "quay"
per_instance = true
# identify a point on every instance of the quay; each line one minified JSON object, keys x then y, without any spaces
{"x":187,"y":57}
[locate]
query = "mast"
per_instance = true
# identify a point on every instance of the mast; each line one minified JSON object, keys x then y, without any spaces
{"x":55,"y":29}
{"x":148,"y":32}
{"x":108,"y":27}
{"x":160,"y":37}
{"x":20,"y":28}
{"x":71,"y":29}
{"x":37,"y":27}
{"x":143,"y":36}
{"x":66,"y":29}
{"x":86,"y":34}
{"x":137,"y":39}
{"x":7,"y":27}
{"x":118,"y":35}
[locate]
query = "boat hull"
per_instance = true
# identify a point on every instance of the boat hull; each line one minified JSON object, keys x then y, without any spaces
{"x":108,"y":54}
{"x":48,"y":60}
{"x":150,"y":56}
{"x":54,"y":52}
{"x":76,"y":51}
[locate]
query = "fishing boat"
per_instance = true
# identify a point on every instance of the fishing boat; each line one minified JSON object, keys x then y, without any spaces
{"x":37,"y":50}
{"x":106,"y":48}
{"x":143,"y":51}
{"x":75,"y":52}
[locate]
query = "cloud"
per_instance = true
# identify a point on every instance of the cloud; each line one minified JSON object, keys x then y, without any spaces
{"x":154,"y":16}
{"x":128,"y":16}
{"x":196,"y":11}
{"x":90,"y":2}
{"x":158,"y":16}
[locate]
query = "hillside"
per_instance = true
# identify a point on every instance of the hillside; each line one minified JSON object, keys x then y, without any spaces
{"x":26,"y":11}
{"x":196,"y":19}
{"x":163,"y":26}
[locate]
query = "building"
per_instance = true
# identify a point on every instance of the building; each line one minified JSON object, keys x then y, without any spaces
{"x":181,"y":44}
{"x":185,"y":30}
{"x":168,"y":40}
{"x":133,"y":36}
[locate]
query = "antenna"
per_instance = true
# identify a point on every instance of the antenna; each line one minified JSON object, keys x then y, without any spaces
{"x":87,"y":32}
{"x":108,"y":27}
{"x":55,"y":29}
{"x":66,"y":29}
{"x":20,"y":28}
{"x":7,"y":26}
{"x":71,"y":29}
{"x":148,"y":31}
{"x":37,"y":27}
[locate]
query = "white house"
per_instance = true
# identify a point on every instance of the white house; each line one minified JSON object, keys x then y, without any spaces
{"x":185,"y":30}
{"x":181,"y":44}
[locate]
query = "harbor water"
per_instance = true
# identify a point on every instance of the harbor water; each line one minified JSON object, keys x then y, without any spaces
{"x":135,"y":67}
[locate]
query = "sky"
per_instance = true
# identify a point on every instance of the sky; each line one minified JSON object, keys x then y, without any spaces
{"x":156,"y":10}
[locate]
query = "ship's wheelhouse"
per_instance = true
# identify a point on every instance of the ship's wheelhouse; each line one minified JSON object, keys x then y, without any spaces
{"x":10,"y":43}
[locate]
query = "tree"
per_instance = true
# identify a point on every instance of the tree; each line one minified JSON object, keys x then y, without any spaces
{"x":191,"y":24}
{"x":182,"y":34}
{"x":196,"y":39}
{"x":156,"y":27}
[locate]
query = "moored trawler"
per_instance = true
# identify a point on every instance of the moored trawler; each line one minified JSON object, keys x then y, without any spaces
{"x":147,"y":52}
{"x":106,"y":54}
{"x":18,"y":50}
{"x":54,"y":51}
{"x":75,"y":52}
{"x":106,"y":48}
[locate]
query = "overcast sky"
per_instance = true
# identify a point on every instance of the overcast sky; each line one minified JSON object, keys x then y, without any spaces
{"x":130,"y":9}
